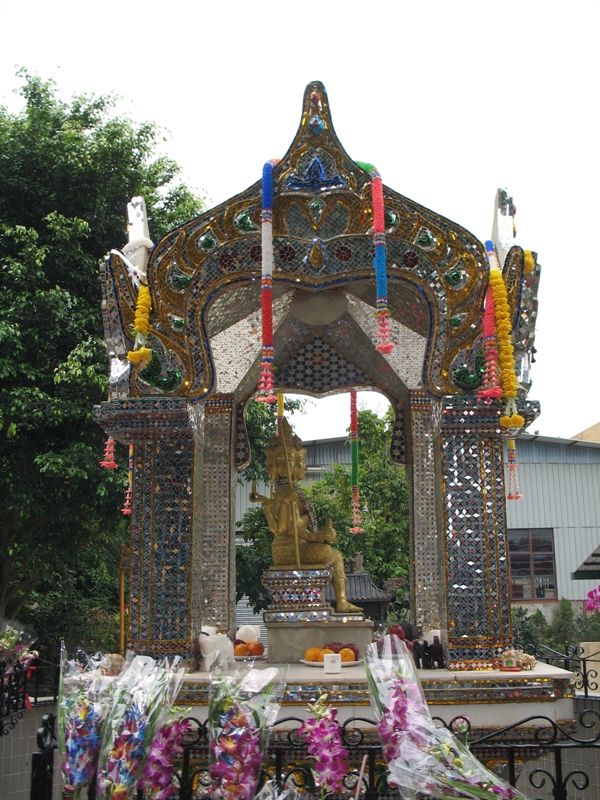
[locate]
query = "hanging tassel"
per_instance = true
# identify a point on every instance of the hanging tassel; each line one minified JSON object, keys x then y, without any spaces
{"x":491,"y":389}
{"x":354,"y":473}
{"x":128,"y":494}
{"x":512,"y":482}
{"x":265,"y":384}
{"x":109,"y":455}
{"x":384,"y":344}
{"x":280,"y":398}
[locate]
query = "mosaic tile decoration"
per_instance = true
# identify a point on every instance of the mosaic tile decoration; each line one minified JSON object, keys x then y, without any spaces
{"x":398,"y":445}
{"x":444,"y":692}
{"x":319,"y":368}
{"x":160,"y":608}
{"x":437,"y":270}
{"x":428,"y":591}
{"x":242,"y":444}
{"x":297,"y":594}
{"x":204,"y":281}
{"x":475,"y":523}
{"x":216,"y":508}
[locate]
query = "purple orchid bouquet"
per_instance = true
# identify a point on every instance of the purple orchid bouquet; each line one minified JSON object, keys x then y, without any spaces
{"x":242,"y":708}
{"x":143,"y":696}
{"x":593,"y":601}
{"x":157,"y":777}
{"x":423,"y":759}
{"x":324,"y":739}
{"x":85,"y":693}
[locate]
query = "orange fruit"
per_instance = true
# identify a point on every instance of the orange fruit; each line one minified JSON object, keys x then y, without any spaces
{"x":255,"y":648}
{"x":347,"y":654}
{"x":322,"y":653}
{"x":241,"y":650}
{"x":312,"y":654}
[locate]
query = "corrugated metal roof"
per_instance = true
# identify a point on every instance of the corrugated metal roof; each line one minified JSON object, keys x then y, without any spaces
{"x":545,"y":450}
{"x":590,"y":569}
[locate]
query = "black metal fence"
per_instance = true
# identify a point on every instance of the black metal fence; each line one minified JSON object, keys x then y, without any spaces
{"x":21,"y":689}
{"x":528,"y":740}
{"x":572,"y":660}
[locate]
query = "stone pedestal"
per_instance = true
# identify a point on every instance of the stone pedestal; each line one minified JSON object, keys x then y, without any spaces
{"x":288,"y":641}
{"x":298,"y":594}
{"x":300,"y":617}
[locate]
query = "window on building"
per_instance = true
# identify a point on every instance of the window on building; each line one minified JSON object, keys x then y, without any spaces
{"x":532,"y":568}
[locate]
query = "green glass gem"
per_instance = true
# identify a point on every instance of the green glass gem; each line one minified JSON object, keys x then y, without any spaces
{"x":391,"y":218}
{"x":208,"y":242}
{"x":425,"y":238}
{"x":152,"y":376}
{"x":244,"y":223}
{"x":178,"y":323}
{"x":180,"y":281}
{"x":456,"y":321}
{"x":467,"y":380}
{"x":454,"y":277}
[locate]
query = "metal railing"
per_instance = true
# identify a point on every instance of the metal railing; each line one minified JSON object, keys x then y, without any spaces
{"x":22,"y":689}
{"x":572,"y":659}
{"x":287,"y":761}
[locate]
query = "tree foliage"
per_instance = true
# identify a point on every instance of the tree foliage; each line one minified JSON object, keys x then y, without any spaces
{"x":384,"y":542}
{"x":67,"y":171}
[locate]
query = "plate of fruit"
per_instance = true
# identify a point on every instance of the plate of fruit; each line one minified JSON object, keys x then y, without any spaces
{"x":349,"y":653}
{"x":246,"y":644}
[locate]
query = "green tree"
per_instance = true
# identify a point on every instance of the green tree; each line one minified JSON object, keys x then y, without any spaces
{"x":562,"y":630}
{"x":384,"y":541}
{"x":67,"y":171}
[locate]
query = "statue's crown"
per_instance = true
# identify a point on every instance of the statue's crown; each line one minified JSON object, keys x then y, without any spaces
{"x":284,"y":429}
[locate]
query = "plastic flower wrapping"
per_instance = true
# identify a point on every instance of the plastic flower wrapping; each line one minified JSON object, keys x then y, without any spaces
{"x":143,"y":696}
{"x":423,"y":759}
{"x":15,"y":641}
{"x":271,"y":791}
{"x":85,"y":693}
{"x":324,"y":740}
{"x":242,"y":708}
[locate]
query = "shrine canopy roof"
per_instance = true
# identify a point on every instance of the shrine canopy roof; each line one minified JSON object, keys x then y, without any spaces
{"x":204,"y":279}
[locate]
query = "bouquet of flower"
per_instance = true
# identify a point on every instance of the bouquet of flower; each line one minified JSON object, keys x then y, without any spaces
{"x":85,"y":693}
{"x":423,"y":759}
{"x":14,"y":646}
{"x":157,"y":777}
{"x":324,"y":740}
{"x":242,"y":708}
{"x":143,"y":696}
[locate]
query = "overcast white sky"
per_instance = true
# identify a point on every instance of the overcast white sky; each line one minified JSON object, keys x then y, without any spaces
{"x":449,"y":99}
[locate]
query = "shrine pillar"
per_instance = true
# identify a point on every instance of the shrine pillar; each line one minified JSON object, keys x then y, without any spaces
{"x":182,"y":521}
{"x":213,"y":562}
{"x":428,"y":583}
{"x":161,"y":610}
{"x":476,"y":563}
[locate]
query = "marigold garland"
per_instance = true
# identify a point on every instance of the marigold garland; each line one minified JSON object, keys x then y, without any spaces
{"x":529,"y":263}
{"x":141,"y":355}
{"x":511,"y":418}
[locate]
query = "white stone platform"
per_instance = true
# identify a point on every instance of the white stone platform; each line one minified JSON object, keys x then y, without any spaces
{"x":490,"y":698}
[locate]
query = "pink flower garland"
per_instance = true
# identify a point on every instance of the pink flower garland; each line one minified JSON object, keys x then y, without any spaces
{"x":491,"y":389}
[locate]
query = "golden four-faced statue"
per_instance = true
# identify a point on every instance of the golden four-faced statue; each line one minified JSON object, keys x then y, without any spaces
{"x":297,"y":542}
